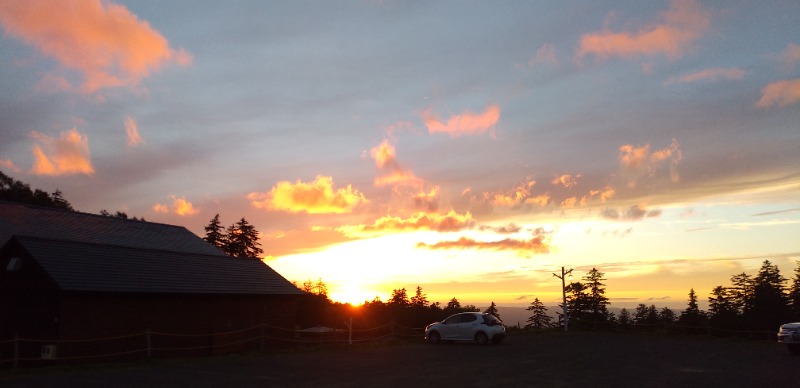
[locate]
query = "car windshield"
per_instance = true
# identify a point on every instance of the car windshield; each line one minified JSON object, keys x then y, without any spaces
{"x":491,"y":320}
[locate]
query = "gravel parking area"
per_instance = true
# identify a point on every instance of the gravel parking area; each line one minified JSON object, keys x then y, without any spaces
{"x":551,"y":359}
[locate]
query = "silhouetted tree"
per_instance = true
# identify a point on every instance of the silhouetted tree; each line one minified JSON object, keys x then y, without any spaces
{"x":241,"y":240}
{"x":214,"y":235}
{"x":692,"y":317}
{"x":770,"y":303}
{"x":587,"y":301}
{"x":453,"y":306}
{"x":625,"y":319}
{"x":794,"y":294}
{"x":539,"y":318}
{"x":419,"y":299}
{"x":723,"y":311}
{"x":119,"y":214}
{"x":666,"y":316}
{"x":399,"y":298}
{"x":16,"y":191}
{"x":492,"y":309}
{"x":741,"y":292}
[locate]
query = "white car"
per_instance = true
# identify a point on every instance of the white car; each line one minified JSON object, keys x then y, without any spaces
{"x":472,"y":326}
{"x":789,"y":334}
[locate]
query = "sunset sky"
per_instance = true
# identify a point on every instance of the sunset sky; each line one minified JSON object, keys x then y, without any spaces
{"x":470,"y":148}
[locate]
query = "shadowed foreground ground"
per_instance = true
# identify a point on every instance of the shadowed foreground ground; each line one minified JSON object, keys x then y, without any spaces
{"x":548,"y":360}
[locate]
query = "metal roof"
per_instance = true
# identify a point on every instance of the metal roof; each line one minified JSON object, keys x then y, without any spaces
{"x":79,"y":266}
{"x":89,"y":252}
{"x":36,"y":221}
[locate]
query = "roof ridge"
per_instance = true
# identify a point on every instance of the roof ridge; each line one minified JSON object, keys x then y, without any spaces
{"x":82,"y":213}
{"x":69,"y":241}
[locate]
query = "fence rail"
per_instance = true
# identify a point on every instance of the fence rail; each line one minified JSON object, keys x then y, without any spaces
{"x":31,"y":352}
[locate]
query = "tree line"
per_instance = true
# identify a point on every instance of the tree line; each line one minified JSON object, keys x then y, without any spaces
{"x":411,"y":311}
{"x":750,"y":303}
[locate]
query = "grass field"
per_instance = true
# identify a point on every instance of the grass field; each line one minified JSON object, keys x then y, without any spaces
{"x":552,"y":359}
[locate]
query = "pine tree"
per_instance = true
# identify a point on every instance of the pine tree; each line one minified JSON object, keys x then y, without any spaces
{"x":770,"y":306}
{"x":722,"y":308}
{"x":692,"y":316}
{"x":419,"y":299}
{"x":453,"y":306}
{"x":794,"y":294}
{"x":539,"y":318}
{"x":492,"y":309}
{"x":241,"y":240}
{"x":399,"y":298}
{"x":214,"y":235}
{"x":625,"y":319}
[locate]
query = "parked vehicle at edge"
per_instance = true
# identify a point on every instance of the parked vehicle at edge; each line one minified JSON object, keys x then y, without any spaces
{"x":789,"y":334}
{"x":479,"y":327}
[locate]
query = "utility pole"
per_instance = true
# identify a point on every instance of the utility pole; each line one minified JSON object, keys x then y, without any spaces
{"x":564,"y":296}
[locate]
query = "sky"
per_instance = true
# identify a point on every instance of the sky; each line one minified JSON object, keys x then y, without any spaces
{"x":469,"y":148}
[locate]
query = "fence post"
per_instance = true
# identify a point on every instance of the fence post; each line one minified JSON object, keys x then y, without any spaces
{"x":16,"y":351}
{"x":147,"y":341}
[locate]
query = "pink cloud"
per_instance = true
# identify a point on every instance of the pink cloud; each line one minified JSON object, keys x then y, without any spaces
{"x":670,"y":35}
{"x":69,"y":154}
{"x":104,"y":42}
{"x":791,"y":56}
{"x":132,"y":131}
{"x":781,"y":93}
{"x":467,"y":123}
{"x":707,"y":75}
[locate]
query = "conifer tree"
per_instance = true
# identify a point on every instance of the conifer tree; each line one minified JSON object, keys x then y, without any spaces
{"x":539,"y":318}
{"x":214,"y":235}
{"x":692,"y":317}
{"x":419,"y":299}
{"x":770,"y":303}
{"x":492,"y":309}
{"x":794,"y":294}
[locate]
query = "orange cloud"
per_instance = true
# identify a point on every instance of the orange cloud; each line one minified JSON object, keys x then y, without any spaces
{"x":512,"y":198}
{"x":637,"y":162}
{"x":781,"y":93}
{"x":427,"y":201}
{"x":536,"y":244}
{"x":707,"y":75}
{"x":104,"y":42}
{"x":569,"y":203}
{"x":132,"y":130}
{"x":541,"y":200}
{"x":317,"y":197}
{"x":449,"y":222}
{"x":385,"y":158}
{"x":673,"y":32}
{"x":467,"y":123}
{"x":66,"y":155}
{"x":566,"y":180}
{"x":605,"y":194}
{"x":180,"y":206}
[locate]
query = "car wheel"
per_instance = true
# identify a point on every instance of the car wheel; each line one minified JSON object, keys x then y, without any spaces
{"x":434,"y":337}
{"x":794,"y":349}
{"x":481,"y":338}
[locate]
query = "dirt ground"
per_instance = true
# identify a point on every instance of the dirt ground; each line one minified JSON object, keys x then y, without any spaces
{"x":552,"y":359}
